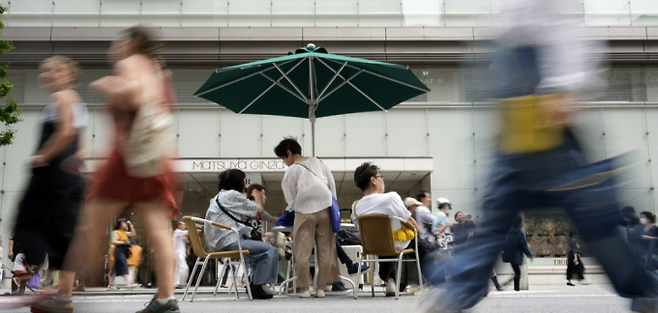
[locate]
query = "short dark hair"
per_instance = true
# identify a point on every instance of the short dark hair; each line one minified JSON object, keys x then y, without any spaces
{"x":232,"y":179}
{"x":251,"y":188}
{"x":649,"y":216}
{"x":289,"y":143}
{"x":117,"y":225}
{"x":421,"y":194}
{"x":363,"y":173}
{"x":443,"y":205}
{"x":457,"y":215}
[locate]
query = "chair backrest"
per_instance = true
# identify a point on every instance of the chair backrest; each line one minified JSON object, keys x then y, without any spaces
{"x":376,"y":234}
{"x":195,"y":238}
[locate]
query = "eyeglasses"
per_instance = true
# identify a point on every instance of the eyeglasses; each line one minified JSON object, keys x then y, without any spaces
{"x":379,"y":176}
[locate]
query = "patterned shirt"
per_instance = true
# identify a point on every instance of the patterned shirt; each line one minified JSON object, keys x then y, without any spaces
{"x":239,"y":206}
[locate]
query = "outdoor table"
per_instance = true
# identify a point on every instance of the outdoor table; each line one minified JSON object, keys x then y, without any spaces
{"x":289,"y":229}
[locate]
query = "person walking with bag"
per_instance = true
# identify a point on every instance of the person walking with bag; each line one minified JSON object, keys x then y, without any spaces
{"x":518,"y":246}
{"x":574,"y":264}
{"x":309,"y":186}
{"x":137,"y":173}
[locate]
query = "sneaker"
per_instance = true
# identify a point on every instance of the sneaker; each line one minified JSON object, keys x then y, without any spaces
{"x":269,"y":289}
{"x":257,"y":292}
{"x":413,"y":288}
{"x":354,"y":268}
{"x":570,"y":284}
{"x":305,"y":295}
{"x":390,"y":288}
{"x":54,"y":305}
{"x":111,"y":287}
{"x":319,"y":293}
{"x":338,"y":287}
{"x":154,"y":306}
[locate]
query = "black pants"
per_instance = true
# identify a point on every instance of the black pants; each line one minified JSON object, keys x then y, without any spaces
{"x":517,"y":276}
{"x":572,"y":268}
{"x":342,"y":256}
{"x":48,"y":214}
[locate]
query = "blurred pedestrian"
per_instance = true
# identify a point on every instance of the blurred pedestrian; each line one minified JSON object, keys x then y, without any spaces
{"x":519,"y":247}
{"x":574,"y":263}
{"x":181,"y":236}
{"x":649,"y":238}
{"x":308,"y":187}
{"x":123,"y":230}
{"x":634,"y":230}
{"x":140,"y":95}
{"x":424,"y":216}
{"x":543,"y":65}
{"x":49,"y":210}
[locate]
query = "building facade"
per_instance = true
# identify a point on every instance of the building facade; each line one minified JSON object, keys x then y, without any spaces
{"x":442,"y":141}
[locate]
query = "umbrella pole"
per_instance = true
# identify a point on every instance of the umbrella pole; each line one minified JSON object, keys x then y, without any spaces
{"x":311,"y":118}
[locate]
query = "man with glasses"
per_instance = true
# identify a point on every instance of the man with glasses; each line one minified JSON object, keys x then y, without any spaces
{"x":374,"y":201}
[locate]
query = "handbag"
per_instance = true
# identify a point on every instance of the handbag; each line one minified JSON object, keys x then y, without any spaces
{"x":348,"y":238}
{"x":286,"y":219}
{"x":255,"y":234}
{"x":151,"y":135}
{"x":334,"y":210}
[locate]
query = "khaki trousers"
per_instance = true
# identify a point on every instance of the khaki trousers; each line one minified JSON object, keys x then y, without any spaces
{"x":315,"y":226}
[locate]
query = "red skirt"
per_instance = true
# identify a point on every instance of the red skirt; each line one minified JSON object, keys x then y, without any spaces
{"x":112,"y":182}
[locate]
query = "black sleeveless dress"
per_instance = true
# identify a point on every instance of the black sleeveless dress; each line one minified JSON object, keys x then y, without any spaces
{"x":49,"y":210}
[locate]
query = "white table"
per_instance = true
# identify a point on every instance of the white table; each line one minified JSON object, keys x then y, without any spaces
{"x":289,"y":229}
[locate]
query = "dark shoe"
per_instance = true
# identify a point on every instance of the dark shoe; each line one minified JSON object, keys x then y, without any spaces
{"x":570,"y":284}
{"x":52,"y":306}
{"x":154,"y":306}
{"x":338,"y":287}
{"x":257,"y":292}
{"x":354,"y":268}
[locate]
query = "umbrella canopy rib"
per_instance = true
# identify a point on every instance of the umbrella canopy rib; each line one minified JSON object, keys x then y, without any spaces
{"x":355,"y":87}
{"x":284,"y":88}
{"x":345,"y":81}
{"x":276,"y":83}
{"x":331,"y":81}
{"x":383,"y":76}
{"x":291,"y":83}
{"x":236,"y":80}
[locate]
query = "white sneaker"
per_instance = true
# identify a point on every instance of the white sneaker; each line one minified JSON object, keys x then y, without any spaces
{"x":413,"y":288}
{"x":319,"y":293}
{"x":269,"y":289}
{"x":305,"y":295}
{"x":390,"y":288}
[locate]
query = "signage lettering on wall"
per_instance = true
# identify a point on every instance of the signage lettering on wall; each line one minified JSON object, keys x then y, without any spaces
{"x":221,"y":165}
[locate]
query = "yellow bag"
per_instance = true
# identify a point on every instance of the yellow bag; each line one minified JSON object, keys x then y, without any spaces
{"x":403,"y":234}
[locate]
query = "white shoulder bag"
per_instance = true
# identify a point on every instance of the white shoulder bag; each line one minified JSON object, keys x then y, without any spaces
{"x":151,"y":135}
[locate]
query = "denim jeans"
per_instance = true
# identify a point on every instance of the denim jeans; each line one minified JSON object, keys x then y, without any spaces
{"x":524,"y":181}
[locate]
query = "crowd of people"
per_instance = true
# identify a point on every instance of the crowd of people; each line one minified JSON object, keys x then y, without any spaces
{"x":457,"y":257}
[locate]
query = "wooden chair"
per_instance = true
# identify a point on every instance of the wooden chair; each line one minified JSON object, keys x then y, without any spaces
{"x":377,"y":239}
{"x":197,"y":247}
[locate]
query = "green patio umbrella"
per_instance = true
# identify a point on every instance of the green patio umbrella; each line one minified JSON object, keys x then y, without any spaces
{"x":311,"y":83}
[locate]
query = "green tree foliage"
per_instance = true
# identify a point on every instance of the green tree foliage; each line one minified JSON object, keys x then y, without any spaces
{"x":9,"y":113}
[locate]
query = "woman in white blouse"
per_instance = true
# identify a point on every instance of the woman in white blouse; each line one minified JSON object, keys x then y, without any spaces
{"x":308,"y":187}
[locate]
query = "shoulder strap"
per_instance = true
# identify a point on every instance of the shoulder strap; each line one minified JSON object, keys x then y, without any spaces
{"x":354,"y":208}
{"x":229,"y":214}
{"x":306,"y":167}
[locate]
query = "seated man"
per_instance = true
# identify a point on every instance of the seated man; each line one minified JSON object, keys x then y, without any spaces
{"x":375,"y":201}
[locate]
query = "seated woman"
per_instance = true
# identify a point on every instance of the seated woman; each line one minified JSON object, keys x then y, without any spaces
{"x":263,"y":258}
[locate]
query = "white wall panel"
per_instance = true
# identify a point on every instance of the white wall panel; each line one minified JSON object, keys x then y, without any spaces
{"x":366,"y":134}
{"x":336,"y":13}
{"x":161,"y":13}
{"x":644,"y":12}
{"x":451,"y":146}
{"x":76,"y":13}
{"x":422,"y":12}
{"x":607,"y":12}
{"x":204,"y":13}
{"x":102,"y":132}
{"x":198,"y":131}
{"x":250,"y":13}
{"x":25,"y":143}
{"x":487,"y":125}
{"x":329,"y":137}
{"x":407,"y":133}
{"x":120,"y":13}
{"x":467,"y":13}
{"x":380,"y":13}
{"x":276,"y":128}
{"x":625,"y":131}
{"x":37,"y":13}
{"x":240,"y":135}
{"x":293,"y":13}
{"x":588,"y":129}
